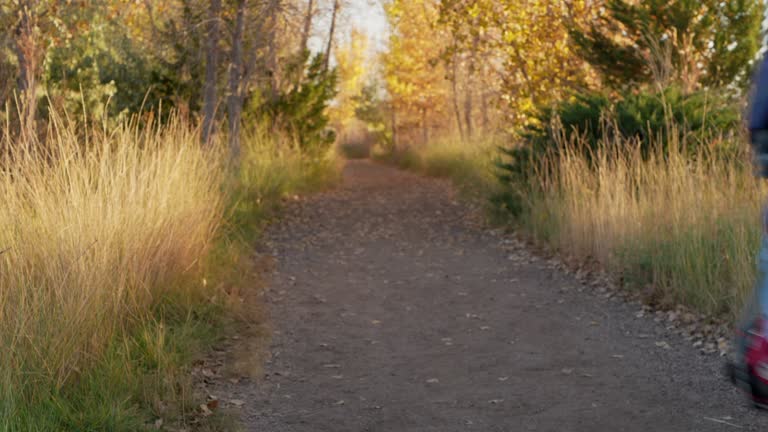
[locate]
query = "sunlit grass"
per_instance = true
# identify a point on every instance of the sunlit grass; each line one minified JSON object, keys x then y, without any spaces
{"x":680,"y":229}
{"x":116,"y":250}
{"x":469,"y":164}
{"x":99,"y":227}
{"x":683,"y":229}
{"x":274,"y":167}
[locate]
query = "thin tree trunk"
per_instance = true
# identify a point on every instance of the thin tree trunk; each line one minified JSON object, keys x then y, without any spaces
{"x":328,"y":49}
{"x":307,"y":25}
{"x":265,"y":27}
{"x":272,"y":62}
{"x":468,"y":110}
{"x":484,"y":110}
{"x":151,"y":16}
{"x":521,"y":64}
{"x":455,"y":94}
{"x":211,"y":66}
{"x":234,"y":99}
{"x":469,"y":96}
{"x":394,"y":128}
{"x":484,"y":96}
{"x":424,"y":127}
{"x":28,"y":57}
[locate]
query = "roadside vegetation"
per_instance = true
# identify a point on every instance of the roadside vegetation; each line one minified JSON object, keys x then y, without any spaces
{"x":122,"y":246}
{"x":623,"y":145}
{"x":143,"y":147}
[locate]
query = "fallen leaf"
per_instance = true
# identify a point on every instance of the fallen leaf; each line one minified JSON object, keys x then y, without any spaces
{"x":205,"y":411}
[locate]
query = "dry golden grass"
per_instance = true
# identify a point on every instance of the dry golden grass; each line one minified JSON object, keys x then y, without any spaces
{"x":96,"y":227}
{"x":470,"y":165}
{"x":687,"y":227}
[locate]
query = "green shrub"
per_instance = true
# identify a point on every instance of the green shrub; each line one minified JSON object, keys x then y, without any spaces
{"x":703,"y":120}
{"x":302,"y":109}
{"x":641,"y":116}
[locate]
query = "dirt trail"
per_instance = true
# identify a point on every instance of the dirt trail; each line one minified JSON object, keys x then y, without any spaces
{"x":394,"y":310}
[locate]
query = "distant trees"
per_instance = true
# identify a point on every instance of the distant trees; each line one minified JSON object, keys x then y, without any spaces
{"x":469,"y":63}
{"x":353,"y":72}
{"x":209,"y":59}
{"x":415,"y":77}
{"x":464,"y":63}
{"x":693,"y":43}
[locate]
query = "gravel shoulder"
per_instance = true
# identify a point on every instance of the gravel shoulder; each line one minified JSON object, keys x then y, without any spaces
{"x":394,"y":309}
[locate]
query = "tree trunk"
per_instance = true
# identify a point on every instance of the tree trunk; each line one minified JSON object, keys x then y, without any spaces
{"x":272,"y":61}
{"x":328,"y":49}
{"x":484,"y":97}
{"x":307,"y":26}
{"x":455,"y":94}
{"x":234,"y":99}
{"x":484,"y":109}
{"x":468,"y":110}
{"x":424,"y":126}
{"x":211,"y":66}
{"x":394,"y":128}
{"x":27,"y":52}
{"x":468,"y":96}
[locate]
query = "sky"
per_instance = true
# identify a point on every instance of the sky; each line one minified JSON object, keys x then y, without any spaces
{"x":365,"y":15}
{"x":368,"y":16}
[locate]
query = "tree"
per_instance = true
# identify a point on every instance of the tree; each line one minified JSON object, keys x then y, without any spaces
{"x":414,"y":75}
{"x":375,"y":112}
{"x":38,"y":25}
{"x":331,"y":32}
{"x":303,"y":109}
{"x":235,"y":98}
{"x":211,"y":69}
{"x":308,"y":17}
{"x":694,"y":43}
{"x":352,"y":73}
{"x":28,"y":49}
{"x":524,"y":44}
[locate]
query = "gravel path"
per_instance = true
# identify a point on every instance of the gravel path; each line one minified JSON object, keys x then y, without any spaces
{"x":393,"y":309}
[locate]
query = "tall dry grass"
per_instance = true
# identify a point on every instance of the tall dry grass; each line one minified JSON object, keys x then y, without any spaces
{"x":97,"y":227}
{"x":470,"y":165}
{"x":684,"y":227}
{"x":274,"y":166}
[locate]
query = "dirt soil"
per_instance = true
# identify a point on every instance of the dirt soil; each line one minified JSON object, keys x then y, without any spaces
{"x":394,"y":309}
